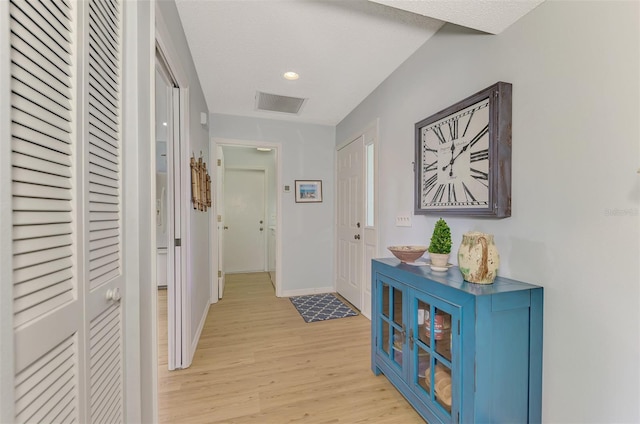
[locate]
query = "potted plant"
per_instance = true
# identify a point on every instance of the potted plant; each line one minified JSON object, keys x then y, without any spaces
{"x":440,"y":246}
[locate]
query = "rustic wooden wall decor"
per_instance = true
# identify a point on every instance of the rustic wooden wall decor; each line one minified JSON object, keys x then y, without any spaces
{"x":200,"y":185}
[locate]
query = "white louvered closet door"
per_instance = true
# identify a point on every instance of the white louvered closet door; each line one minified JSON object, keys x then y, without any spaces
{"x":66,"y":188}
{"x":103,"y":210}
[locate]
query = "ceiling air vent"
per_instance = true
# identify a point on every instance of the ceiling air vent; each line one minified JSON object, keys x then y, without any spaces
{"x":276,"y":103}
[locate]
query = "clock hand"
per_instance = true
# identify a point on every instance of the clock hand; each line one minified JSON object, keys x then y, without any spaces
{"x":453,"y":159}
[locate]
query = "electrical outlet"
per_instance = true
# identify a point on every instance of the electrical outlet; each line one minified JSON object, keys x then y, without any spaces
{"x":403,"y":221}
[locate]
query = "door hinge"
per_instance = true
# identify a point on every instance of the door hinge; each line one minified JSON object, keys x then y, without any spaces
{"x":219,"y":162}
{"x":219,"y":274}
{"x":458,"y":327}
{"x":178,"y":242}
{"x":219,"y":218}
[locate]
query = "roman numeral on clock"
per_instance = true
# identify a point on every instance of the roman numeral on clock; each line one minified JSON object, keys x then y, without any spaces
{"x":478,"y":136}
{"x":438,"y":132}
{"x":430,"y":167}
{"x":480,"y":155}
{"x":439,"y":193}
{"x":453,"y":129}
{"x":452,"y":193}
{"x":483,"y":177}
{"x":467,"y":193}
{"x":429,"y":184}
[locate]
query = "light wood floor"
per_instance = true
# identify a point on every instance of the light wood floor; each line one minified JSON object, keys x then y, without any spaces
{"x":259,"y":362}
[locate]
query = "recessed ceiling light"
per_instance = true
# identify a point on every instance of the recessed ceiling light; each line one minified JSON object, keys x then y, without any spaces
{"x":164,"y":124}
{"x":291,"y":75}
{"x":263,"y":149}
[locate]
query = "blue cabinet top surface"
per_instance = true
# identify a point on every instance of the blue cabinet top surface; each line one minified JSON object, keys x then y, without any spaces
{"x":453,"y":278}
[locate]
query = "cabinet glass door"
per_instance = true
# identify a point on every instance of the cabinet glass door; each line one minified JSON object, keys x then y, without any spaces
{"x":391,"y":323}
{"x":432,"y":341}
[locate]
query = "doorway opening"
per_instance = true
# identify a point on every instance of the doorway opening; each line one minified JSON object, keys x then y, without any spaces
{"x":169,"y":223}
{"x":248,"y":209}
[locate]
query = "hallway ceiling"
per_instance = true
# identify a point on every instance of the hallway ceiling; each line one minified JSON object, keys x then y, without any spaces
{"x":342,"y":50}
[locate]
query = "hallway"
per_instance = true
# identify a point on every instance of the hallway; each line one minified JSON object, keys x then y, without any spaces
{"x":259,"y":362}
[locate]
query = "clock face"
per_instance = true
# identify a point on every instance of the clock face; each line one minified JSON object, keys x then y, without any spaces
{"x":455,"y":158}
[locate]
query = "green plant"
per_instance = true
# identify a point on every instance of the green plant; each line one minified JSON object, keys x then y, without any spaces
{"x":441,"y":238}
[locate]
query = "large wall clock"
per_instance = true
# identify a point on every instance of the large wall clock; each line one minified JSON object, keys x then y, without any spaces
{"x":463,"y":157}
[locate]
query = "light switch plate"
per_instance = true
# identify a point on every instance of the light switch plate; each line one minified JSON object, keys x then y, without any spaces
{"x":403,"y":221}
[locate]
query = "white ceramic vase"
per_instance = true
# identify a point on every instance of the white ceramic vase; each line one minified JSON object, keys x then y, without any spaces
{"x":439,"y":261}
{"x":478,"y":258}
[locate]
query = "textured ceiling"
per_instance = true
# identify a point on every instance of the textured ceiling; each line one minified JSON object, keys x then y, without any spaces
{"x":342,"y":49}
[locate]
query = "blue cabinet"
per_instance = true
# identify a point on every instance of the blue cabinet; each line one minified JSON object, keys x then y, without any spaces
{"x":459,"y":352}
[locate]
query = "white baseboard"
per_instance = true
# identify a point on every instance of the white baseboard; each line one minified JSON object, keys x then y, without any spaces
{"x":304,"y":292}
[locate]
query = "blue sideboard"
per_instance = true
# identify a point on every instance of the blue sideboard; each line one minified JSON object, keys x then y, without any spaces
{"x":459,"y":352}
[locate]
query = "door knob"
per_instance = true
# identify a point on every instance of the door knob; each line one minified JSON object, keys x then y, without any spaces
{"x":113,"y":294}
{"x":357,"y":237}
{"x":226,"y":228}
{"x":261,"y":228}
{"x":261,"y":221}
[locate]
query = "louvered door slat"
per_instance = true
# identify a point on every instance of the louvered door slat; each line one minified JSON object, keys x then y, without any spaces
{"x":44,"y":42}
{"x":104,"y":274}
{"x":99,"y":253}
{"x":111,"y":233}
{"x":95,"y":169}
{"x":102,"y":243}
{"x":25,"y":125}
{"x":33,"y":218}
{"x":109,"y":160}
{"x":48,"y":12}
{"x":44,"y":166}
{"x":104,"y":146}
{"x":43,"y":19}
{"x":96,"y":108}
{"x":31,"y":384}
{"x":53,"y":118}
{"x":99,"y":64}
{"x":28,"y":56}
{"x":28,"y":148}
{"x":42,"y":243}
{"x":101,"y":225}
{"x":26,"y":76}
{"x":59,"y":11}
{"x":24,"y":189}
{"x":33,"y":231}
{"x":32,"y":93}
{"x":38,"y":297}
{"x":105,"y":365}
{"x":29,"y":260}
{"x":38,"y":411}
{"x":45,"y":205}
{"x":48,"y":280}
{"x":102,"y":24}
{"x":102,"y":122}
{"x":103,"y":198}
{"x":41,"y":270}
{"x":101,"y":180}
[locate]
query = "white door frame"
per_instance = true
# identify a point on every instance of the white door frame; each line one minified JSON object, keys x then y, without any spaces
{"x":217,"y":141}
{"x":179,"y":312}
{"x":371,"y":233}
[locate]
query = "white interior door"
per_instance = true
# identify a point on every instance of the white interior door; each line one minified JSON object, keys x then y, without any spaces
{"x":67,"y":202}
{"x":350,"y":222}
{"x":221,"y":220}
{"x":245,"y":226}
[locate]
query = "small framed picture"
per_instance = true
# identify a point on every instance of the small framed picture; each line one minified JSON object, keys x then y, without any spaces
{"x":308,"y":191}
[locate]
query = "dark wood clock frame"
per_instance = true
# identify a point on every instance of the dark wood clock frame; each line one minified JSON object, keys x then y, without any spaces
{"x":499,"y":175}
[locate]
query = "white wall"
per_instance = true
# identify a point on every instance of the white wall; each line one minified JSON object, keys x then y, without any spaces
{"x":307,"y":228}
{"x":197,"y":241}
{"x":575,"y":224}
